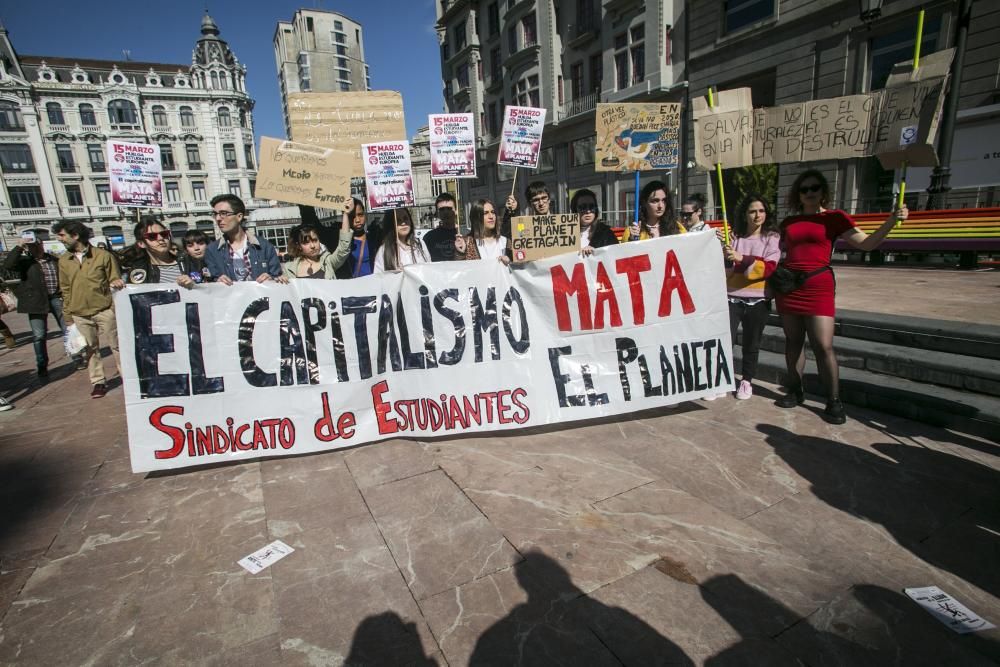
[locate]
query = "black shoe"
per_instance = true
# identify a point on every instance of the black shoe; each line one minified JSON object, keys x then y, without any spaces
{"x":793,"y":398}
{"x":834,"y":412}
{"x":99,"y":391}
{"x":81,"y":364}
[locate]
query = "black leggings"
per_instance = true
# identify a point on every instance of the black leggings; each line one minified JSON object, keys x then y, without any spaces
{"x":753,"y":318}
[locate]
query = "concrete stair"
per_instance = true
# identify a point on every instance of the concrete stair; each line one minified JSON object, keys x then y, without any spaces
{"x":937,"y":372}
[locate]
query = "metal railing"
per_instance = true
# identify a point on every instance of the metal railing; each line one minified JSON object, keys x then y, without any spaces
{"x":579,"y":105}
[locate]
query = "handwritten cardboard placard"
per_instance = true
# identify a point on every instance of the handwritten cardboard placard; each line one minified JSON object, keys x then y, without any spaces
{"x":388,"y":176}
{"x":453,"y":145}
{"x":345,"y":121}
{"x":637,"y":137}
{"x":541,"y":236}
{"x":521,"y":138}
{"x":303,"y":174}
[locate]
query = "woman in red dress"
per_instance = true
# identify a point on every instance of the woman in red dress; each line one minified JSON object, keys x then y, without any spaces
{"x":807,"y":238}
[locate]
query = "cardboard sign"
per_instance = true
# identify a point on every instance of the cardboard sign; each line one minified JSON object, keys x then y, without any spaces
{"x":908,"y":123}
{"x":345,"y":121}
{"x":303,"y":174}
{"x":453,"y":145}
{"x":540,"y":236}
{"x":521,"y":139}
{"x":388,"y":177}
{"x":637,"y":137}
{"x":135,"y":173}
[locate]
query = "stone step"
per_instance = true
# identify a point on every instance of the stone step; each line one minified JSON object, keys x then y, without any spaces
{"x":945,"y":369}
{"x":964,"y":338}
{"x":975,"y":414}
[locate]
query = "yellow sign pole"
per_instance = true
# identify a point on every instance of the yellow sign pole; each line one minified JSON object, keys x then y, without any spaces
{"x":718,"y":176}
{"x":916,"y":64}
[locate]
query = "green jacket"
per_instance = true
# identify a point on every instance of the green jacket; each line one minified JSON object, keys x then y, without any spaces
{"x":328,"y":260}
{"x":86,"y":287}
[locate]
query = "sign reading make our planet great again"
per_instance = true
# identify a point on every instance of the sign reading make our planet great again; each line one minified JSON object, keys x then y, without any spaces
{"x":217,"y":373}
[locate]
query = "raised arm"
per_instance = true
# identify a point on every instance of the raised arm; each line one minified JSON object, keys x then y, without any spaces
{"x":867,"y":242}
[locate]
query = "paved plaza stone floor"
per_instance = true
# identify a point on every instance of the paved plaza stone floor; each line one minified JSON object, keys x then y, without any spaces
{"x":724,"y":533}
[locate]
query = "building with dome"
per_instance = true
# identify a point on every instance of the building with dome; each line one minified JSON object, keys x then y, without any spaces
{"x":57,"y":113}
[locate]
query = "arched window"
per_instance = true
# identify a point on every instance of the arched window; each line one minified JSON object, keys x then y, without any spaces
{"x":225,"y":120}
{"x":223,"y":80}
{"x":122,"y":112}
{"x":87,"y":115}
{"x":10,"y":116}
{"x":159,"y":116}
{"x":187,"y":117}
{"x":215,"y":80}
{"x":54,"y":111}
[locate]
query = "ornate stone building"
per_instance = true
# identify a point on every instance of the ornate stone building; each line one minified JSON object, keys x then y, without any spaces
{"x":57,"y":113}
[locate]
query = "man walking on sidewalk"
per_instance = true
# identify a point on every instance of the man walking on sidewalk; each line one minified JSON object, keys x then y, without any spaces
{"x":38,"y":294}
{"x":86,"y":277}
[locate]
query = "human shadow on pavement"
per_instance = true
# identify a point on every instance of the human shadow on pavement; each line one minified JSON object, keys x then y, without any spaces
{"x":867,"y":625}
{"x":25,"y":491}
{"x":385,"y":639}
{"x":913,"y":492}
{"x":559,"y":625}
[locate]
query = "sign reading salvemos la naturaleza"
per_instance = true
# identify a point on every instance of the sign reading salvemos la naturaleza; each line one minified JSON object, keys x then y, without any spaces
{"x":223,"y":373}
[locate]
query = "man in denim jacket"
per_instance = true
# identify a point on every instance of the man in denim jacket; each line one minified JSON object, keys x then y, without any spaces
{"x":239,"y":255}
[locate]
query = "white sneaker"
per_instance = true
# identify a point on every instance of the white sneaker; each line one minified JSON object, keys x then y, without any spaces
{"x":5,"y":404}
{"x":710,"y":398}
{"x":745,"y":390}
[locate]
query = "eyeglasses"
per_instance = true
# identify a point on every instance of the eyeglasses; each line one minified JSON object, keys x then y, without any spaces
{"x":224,"y":214}
{"x":539,"y":199}
{"x":152,"y":236}
{"x":586,"y":208}
{"x":805,"y":189}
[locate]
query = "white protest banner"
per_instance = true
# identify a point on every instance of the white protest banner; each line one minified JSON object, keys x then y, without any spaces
{"x":217,"y":373}
{"x":521,"y":138}
{"x":388,"y":178}
{"x":303,"y":174}
{"x":637,"y":137}
{"x":135,"y":173}
{"x":453,"y":145}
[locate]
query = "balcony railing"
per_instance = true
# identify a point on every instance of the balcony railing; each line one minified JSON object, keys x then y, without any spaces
{"x":579,"y":105}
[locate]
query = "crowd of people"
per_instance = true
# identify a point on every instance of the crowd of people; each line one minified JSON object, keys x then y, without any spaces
{"x":787,"y":263}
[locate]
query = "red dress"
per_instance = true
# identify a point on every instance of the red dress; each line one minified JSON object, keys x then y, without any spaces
{"x":807,"y":241}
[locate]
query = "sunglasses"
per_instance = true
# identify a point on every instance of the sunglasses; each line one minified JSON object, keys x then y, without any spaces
{"x":152,"y":236}
{"x":586,"y":208}
{"x":805,"y":189}
{"x":686,"y":214}
{"x":402,"y":221}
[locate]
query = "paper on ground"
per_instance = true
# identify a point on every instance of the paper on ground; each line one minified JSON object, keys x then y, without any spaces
{"x":948,"y":610}
{"x":265,"y":557}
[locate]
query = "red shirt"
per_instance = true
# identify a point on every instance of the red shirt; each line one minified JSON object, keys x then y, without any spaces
{"x":808,"y":239}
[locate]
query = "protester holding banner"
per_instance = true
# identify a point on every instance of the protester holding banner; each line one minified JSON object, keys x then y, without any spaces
{"x":594,"y":233}
{"x":750,"y":259}
{"x":656,"y":215}
{"x":804,"y":284}
{"x":239,"y":255}
{"x":195,"y":246}
{"x":400,"y":245}
{"x":485,"y":241}
{"x":154,"y":259}
{"x":440,"y":241}
{"x":692,"y":211}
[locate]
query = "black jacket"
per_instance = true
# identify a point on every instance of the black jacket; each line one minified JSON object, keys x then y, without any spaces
{"x":32,"y":296}
{"x":601,"y":235}
{"x":141,"y":271}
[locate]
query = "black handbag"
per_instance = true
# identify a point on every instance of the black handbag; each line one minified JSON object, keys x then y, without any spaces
{"x":786,"y":281}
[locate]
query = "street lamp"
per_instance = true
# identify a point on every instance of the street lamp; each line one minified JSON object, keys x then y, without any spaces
{"x":871,"y":11}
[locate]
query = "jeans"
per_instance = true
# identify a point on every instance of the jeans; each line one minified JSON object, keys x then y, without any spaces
{"x":39,"y":329}
{"x":753,"y":318}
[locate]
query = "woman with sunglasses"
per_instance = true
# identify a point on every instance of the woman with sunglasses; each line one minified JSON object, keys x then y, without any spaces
{"x":692,"y":212}
{"x":656,"y":216}
{"x":594,"y":233}
{"x":485,"y":241}
{"x":751,"y":257}
{"x":400,"y":245}
{"x":153,"y":258}
{"x":808,"y":237}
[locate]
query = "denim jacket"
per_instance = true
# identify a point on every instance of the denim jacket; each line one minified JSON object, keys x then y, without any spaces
{"x":263,"y":258}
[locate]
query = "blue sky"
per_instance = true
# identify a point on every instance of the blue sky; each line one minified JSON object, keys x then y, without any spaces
{"x":400,"y":43}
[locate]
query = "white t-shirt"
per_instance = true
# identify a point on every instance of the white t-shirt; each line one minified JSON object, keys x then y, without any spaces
{"x":418,"y":254}
{"x":585,"y":237}
{"x":492,"y":247}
